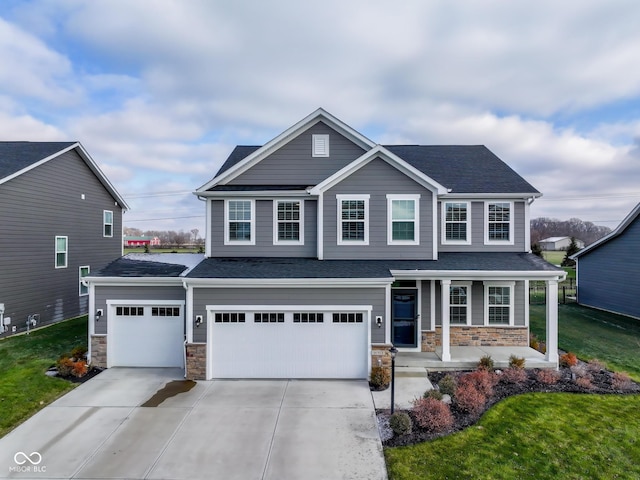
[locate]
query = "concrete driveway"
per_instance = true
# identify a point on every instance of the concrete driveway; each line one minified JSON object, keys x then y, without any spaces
{"x":223,"y":429}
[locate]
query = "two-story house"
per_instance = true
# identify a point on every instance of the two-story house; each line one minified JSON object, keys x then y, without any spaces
{"x":324,"y":248}
{"x":60,"y":220}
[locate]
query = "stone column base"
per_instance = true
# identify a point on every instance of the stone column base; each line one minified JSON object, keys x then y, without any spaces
{"x":98,"y":351}
{"x":196,"y":368}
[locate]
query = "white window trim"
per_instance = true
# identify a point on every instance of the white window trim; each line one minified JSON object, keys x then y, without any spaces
{"x":105,"y":223}
{"x":469,"y":287}
{"x":486,"y":223}
{"x":416,"y":219}
{"x":317,"y":140}
{"x":65,"y":251}
{"x":227,"y":240}
{"x":80,"y":277}
{"x":276,"y":241}
{"x":444,"y":223}
{"x":511,"y":286}
{"x":339,"y":199}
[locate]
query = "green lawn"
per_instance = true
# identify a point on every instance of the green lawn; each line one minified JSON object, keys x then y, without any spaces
{"x":24,"y":388}
{"x":591,"y":333}
{"x":534,"y":436}
{"x":553,"y":256}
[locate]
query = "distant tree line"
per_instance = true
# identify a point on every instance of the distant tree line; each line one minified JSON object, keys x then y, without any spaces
{"x":588,"y":232}
{"x":168,"y":238}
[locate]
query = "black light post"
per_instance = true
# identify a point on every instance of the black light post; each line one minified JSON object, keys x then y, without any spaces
{"x":393,"y":350}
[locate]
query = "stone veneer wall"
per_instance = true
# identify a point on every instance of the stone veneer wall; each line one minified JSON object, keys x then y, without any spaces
{"x":477,"y":337}
{"x":99,"y":351}
{"x":380,"y":356}
{"x":196,"y":361}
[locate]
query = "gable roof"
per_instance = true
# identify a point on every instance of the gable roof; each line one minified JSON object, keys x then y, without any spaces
{"x":17,"y":158}
{"x":553,"y":239}
{"x":628,"y":220}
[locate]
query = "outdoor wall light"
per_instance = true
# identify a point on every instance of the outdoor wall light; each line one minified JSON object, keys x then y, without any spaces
{"x":99,"y":314}
{"x":198,"y":320}
{"x":379,"y":321}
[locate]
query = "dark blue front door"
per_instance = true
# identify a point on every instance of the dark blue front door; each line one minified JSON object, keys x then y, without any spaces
{"x":404,"y":318}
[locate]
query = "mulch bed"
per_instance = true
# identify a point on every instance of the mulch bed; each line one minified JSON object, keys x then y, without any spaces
{"x":93,"y":371}
{"x":601,"y":382}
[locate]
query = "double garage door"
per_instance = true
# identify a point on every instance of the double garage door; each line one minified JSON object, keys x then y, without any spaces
{"x":288,"y":342}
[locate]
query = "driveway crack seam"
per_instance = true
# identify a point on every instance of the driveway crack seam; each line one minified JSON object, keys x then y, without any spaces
{"x":275,"y":427}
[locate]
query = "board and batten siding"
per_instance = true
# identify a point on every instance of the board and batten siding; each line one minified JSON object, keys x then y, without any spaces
{"x":133,"y":294}
{"x":293,"y":163}
{"x":378,"y":179}
{"x":37,"y":206}
{"x":264,"y":246}
{"x":609,"y":275}
{"x":290,"y":296}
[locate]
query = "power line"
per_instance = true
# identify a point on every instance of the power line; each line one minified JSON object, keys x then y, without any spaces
{"x":157,"y":219}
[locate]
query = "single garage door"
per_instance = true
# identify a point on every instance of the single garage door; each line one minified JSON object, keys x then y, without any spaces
{"x":146,"y":336}
{"x":291,"y":342}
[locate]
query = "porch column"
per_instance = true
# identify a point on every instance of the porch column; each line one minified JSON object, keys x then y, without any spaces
{"x":445,"y":310}
{"x":552,"y":321}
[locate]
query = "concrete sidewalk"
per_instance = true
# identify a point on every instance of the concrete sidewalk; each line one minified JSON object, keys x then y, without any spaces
{"x":410,"y":383}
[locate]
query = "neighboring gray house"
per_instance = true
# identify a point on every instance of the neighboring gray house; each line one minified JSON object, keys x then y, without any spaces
{"x":323,"y":248}
{"x":558,"y":243}
{"x":608,"y":271}
{"x":60,"y":219}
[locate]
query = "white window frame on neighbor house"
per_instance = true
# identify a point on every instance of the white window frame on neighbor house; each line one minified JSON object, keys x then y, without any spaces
{"x":107,"y":222}
{"x":487,"y":222}
{"x":365,"y":221}
{"x":467,"y":305}
{"x":320,"y":145}
{"x":391,"y":198}
{"x":467,"y":223}
{"x":83,"y":271}
{"x":64,"y":252}
{"x":252,"y":222}
{"x":488,"y":304}
{"x":277,"y":222}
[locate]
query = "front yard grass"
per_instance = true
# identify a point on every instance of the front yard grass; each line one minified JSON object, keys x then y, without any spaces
{"x":24,"y":388}
{"x":536,"y":436}
{"x":589,"y":333}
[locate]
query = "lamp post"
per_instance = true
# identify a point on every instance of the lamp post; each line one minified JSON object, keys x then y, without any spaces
{"x":393,"y":351}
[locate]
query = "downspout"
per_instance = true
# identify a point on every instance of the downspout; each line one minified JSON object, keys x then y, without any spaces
{"x":188,"y":326}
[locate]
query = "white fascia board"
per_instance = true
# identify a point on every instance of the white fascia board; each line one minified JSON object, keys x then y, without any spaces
{"x":297,"y":129}
{"x":254,"y":193}
{"x":491,"y":196}
{"x":288,"y":308}
{"x":391,"y":159}
{"x":477,"y":275}
{"x":37,"y":164}
{"x":289,"y":282}
{"x":134,"y":281}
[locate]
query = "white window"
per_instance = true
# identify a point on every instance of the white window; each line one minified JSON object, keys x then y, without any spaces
{"x":499,"y":303}
{"x":288,"y":224}
{"x":456,"y":221}
{"x":107,"y":220}
{"x":353,"y":219}
{"x":320,"y":147}
{"x":460,"y":304}
{"x":84,"y":271}
{"x":62,"y":247}
{"x":403,"y":215}
{"x":499,"y":222}
{"x":239,"y":222}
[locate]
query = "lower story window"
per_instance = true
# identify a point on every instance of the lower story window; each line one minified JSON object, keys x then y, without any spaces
{"x":348,"y":318}
{"x":130,"y":311}
{"x":165,"y":312}
{"x":499,"y":304}
{"x":268,"y":317}
{"x":231,"y":317}
{"x":303,"y":317}
{"x":459,"y":304}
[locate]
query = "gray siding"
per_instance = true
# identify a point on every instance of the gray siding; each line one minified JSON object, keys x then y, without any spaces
{"x":298,"y":296}
{"x":478,"y":231}
{"x":425,"y":311}
{"x":608,"y":276}
{"x":102,"y":294}
{"x":378,"y":179}
{"x":36,"y":207}
{"x":264,"y":246}
{"x":293,"y":163}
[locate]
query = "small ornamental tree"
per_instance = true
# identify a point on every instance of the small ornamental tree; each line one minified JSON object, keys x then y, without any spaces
{"x":536,"y":249}
{"x":573,"y":248}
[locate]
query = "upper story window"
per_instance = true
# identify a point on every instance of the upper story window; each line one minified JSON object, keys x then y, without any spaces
{"x":83,"y":272}
{"x":320,"y":145}
{"x":499,"y":303}
{"x":456,"y":219}
{"x":62,"y":247}
{"x":288,"y":225}
{"x":460,"y":304}
{"x":107,"y":221}
{"x":353,"y":219}
{"x":239,"y":222}
{"x":499,"y":222}
{"x":403,"y":219}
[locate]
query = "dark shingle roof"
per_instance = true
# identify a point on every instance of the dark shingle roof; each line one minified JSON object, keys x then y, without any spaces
{"x":15,"y":156}
{"x":239,"y":153}
{"x":125,"y":267}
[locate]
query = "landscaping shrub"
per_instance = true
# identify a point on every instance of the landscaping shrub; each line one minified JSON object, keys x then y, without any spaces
{"x":513,"y":375}
{"x":400,"y":423}
{"x":516,"y":362}
{"x":380,"y":378}
{"x":584,"y":382}
{"x":548,"y":377}
{"x":534,"y":342}
{"x":481,"y":379}
{"x":433,"y":393}
{"x":64,"y":366}
{"x":432,"y":415}
{"x":568,"y":359}
{"x":79,"y":352}
{"x":447,"y":385}
{"x":595,"y":366}
{"x":79,"y":369}
{"x":620,"y":381}
{"x":469,"y":399}
{"x":486,"y":363}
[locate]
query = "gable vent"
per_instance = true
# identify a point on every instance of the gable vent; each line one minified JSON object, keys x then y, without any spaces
{"x":320,"y":145}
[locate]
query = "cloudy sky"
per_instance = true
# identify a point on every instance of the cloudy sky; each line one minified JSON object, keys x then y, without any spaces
{"x":160,"y":91}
